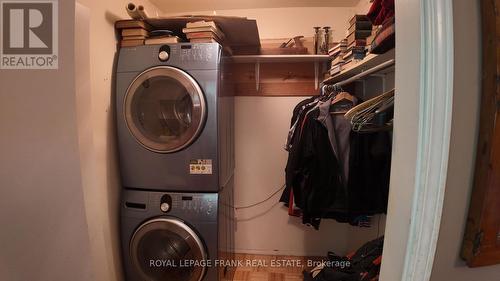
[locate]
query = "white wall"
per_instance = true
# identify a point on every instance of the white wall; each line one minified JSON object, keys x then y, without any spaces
{"x":466,"y":106}
{"x":102,"y":184}
{"x":43,"y":233}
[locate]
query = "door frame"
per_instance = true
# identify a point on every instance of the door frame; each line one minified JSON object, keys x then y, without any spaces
{"x":436,"y":100}
{"x":424,"y":75}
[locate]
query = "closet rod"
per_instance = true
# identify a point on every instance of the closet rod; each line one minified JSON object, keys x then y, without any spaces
{"x":367,"y":72}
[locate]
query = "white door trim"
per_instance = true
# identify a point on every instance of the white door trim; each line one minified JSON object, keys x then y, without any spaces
{"x":436,"y":97}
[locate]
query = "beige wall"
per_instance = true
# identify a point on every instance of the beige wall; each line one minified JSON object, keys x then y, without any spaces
{"x":184,"y":6}
{"x":43,"y":230}
{"x":261,"y":127}
{"x":363,"y":6}
{"x":102,"y":186}
{"x":289,"y":22}
{"x":466,"y":106}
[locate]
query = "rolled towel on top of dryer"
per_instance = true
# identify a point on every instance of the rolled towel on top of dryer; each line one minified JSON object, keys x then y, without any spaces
{"x":142,"y":12}
{"x":132,"y":11}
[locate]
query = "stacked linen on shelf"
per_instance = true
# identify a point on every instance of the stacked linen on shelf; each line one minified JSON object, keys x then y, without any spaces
{"x":133,"y":32}
{"x":337,"y":53}
{"x":203,"y":32}
{"x":382,"y":12}
{"x":385,"y":39}
{"x":360,"y":28}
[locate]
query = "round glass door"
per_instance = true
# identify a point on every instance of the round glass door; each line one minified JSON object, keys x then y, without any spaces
{"x":167,"y":249}
{"x":165,"y":109}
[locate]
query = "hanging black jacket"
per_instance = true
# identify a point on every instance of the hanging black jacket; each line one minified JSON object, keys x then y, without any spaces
{"x":317,"y":184}
{"x":291,"y":166}
{"x":315,"y":174}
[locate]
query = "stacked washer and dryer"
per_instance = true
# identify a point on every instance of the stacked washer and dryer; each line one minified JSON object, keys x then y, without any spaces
{"x":175,"y":120}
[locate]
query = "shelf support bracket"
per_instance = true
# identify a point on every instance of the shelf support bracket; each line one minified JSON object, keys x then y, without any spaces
{"x":257,"y":76}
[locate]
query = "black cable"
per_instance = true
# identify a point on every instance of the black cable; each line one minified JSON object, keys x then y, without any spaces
{"x":260,"y":202}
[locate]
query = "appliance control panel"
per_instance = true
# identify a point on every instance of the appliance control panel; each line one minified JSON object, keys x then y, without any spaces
{"x":185,"y":56}
{"x":197,"y":52}
{"x":201,"y":52}
{"x":190,"y":203}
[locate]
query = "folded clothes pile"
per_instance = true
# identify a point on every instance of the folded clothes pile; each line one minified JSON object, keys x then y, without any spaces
{"x":380,"y":11}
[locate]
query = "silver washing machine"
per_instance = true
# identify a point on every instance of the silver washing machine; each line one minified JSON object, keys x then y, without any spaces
{"x":175,"y":118}
{"x":177,"y":236}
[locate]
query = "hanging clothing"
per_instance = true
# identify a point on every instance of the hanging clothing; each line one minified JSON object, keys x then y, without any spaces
{"x":339,"y":129}
{"x":333,"y":172}
{"x":297,"y":111}
{"x":318,"y":186}
{"x":293,"y":139}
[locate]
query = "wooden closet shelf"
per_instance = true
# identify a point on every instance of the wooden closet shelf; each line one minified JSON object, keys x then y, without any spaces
{"x":278,"y":58}
{"x":277,"y":75}
{"x":357,"y":67}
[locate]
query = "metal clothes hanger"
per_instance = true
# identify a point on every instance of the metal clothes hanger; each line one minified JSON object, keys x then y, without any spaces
{"x":341,"y":96}
{"x":360,"y":107}
{"x":364,"y":116}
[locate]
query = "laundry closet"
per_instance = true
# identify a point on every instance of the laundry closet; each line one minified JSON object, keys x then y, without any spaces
{"x":257,"y":134}
{"x":195,"y":140}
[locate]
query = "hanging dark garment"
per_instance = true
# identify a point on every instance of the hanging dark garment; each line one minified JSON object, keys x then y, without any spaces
{"x":318,"y":187}
{"x":370,"y":169}
{"x":333,"y":172}
{"x":292,"y":145}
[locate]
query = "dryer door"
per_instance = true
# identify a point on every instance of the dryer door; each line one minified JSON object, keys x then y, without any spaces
{"x":162,"y":248}
{"x":165,"y":109}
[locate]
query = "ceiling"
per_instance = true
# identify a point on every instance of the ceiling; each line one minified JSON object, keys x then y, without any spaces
{"x":186,"y":6}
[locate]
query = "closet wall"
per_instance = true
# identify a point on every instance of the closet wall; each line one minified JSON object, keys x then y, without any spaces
{"x":261,"y":127}
{"x":98,"y":152}
{"x":43,"y":226}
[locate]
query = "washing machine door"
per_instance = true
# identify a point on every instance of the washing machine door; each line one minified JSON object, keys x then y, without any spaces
{"x":162,"y":248}
{"x":165,"y":109}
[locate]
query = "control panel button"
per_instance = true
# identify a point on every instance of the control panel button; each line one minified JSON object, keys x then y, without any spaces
{"x":163,"y":55}
{"x":165,"y":207}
